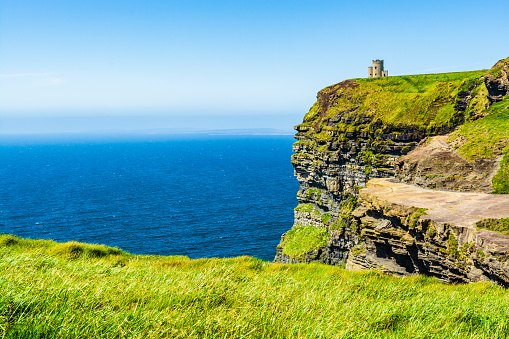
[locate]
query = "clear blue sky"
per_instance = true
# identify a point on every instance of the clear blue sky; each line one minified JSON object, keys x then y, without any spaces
{"x":190,"y":58}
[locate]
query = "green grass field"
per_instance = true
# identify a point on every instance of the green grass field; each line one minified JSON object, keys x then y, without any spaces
{"x":73,"y":290}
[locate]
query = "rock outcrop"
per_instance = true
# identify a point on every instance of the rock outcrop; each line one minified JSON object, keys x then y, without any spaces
{"x":365,"y":130}
{"x":497,"y":81}
{"x":435,"y":164}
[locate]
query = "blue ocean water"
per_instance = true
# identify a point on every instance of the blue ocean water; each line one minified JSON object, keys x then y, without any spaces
{"x":200,"y":196}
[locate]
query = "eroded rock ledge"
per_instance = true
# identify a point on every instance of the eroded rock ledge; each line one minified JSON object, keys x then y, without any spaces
{"x":406,"y":230}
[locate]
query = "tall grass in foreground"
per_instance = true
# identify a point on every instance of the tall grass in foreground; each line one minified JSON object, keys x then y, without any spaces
{"x":49,"y":292}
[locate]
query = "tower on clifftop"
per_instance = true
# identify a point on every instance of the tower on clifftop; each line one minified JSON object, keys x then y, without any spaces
{"x":377,"y":70}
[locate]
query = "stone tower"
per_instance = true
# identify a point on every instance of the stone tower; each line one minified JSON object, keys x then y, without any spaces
{"x":377,"y":70}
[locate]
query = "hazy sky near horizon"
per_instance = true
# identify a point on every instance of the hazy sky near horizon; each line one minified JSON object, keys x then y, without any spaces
{"x":155,"y":57}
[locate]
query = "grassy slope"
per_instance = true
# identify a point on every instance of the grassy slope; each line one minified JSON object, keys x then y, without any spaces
{"x":46,"y":291}
{"x":485,"y":133}
{"x":487,"y":137}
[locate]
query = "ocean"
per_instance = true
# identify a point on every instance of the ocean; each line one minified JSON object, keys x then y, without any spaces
{"x":194,"y":195}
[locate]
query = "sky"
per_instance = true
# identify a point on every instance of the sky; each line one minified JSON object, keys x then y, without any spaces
{"x":86,"y":64}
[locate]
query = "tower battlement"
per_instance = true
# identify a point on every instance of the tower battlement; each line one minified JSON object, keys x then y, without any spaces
{"x":377,"y":70}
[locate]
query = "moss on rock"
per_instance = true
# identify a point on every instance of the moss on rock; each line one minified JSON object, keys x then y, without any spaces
{"x":495,"y":225}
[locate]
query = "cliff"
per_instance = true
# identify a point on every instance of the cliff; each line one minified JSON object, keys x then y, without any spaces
{"x":428,"y":132}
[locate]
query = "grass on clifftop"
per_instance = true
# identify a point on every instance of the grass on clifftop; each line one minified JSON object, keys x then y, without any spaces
{"x":425,"y":101}
{"x":45,"y":293}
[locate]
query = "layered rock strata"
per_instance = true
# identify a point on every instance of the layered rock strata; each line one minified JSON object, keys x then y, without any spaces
{"x":405,"y":229}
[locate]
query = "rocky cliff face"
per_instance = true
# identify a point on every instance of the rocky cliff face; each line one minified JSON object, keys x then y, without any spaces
{"x":365,"y":129}
{"x":334,"y":157}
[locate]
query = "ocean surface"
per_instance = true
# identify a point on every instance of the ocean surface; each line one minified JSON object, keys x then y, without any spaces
{"x":199,"y":196}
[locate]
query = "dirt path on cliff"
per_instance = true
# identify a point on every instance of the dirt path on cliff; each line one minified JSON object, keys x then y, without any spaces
{"x":457,"y":208}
